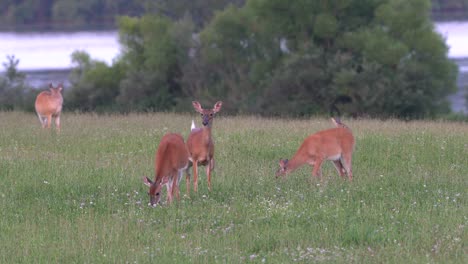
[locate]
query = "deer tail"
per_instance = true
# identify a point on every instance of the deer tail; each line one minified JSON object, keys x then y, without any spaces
{"x":192,"y":127}
{"x":335,"y":112}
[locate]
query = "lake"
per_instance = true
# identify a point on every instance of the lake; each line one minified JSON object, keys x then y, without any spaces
{"x":52,"y":51}
{"x":46,"y":57}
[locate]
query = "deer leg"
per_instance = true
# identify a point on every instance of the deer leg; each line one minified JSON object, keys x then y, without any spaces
{"x":187,"y":181}
{"x":317,"y":172}
{"x":181,"y":173}
{"x":57,"y":123}
{"x":212,"y":164}
{"x":347,"y":165}
{"x":195,"y":176}
{"x":40,"y":119}
{"x":339,"y":167}
{"x":49,"y":120}
{"x":169,"y":192}
{"x":175,"y":188}
{"x":208,"y":173}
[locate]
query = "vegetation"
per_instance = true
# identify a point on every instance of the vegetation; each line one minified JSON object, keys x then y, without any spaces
{"x":15,"y":94}
{"x":450,"y":9}
{"x":270,"y":58}
{"x":78,"y":196}
{"x":276,"y":58}
{"x":97,"y":14}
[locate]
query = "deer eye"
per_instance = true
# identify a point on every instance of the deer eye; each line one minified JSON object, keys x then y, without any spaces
{"x":157,"y":194}
{"x":211,"y":114}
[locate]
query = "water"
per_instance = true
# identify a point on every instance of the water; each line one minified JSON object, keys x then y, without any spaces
{"x":456,"y":36}
{"x":46,"y":57}
{"x":52,"y":51}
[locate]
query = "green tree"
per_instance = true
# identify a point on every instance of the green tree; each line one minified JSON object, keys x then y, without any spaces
{"x":15,"y":94}
{"x":94,"y":84}
{"x":298,"y":57}
{"x":155,"y":50}
{"x":201,"y":11}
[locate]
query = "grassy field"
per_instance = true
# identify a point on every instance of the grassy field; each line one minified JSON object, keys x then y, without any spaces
{"x":77,"y":197}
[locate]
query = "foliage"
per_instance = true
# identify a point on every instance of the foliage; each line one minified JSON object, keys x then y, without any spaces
{"x":201,"y":11}
{"x":155,"y":48}
{"x":15,"y":94}
{"x":78,"y":196}
{"x":65,"y":14}
{"x":276,"y":57}
{"x":101,"y":14}
{"x":145,"y":77}
{"x":94,"y":84}
{"x":450,"y":9}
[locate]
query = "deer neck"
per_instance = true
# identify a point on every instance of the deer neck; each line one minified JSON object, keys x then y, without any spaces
{"x":294,"y":163}
{"x":206,"y":133}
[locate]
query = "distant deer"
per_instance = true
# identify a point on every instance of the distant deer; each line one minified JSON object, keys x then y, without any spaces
{"x":170,"y":163}
{"x":336,"y":144}
{"x":49,"y":104}
{"x":200,"y":144}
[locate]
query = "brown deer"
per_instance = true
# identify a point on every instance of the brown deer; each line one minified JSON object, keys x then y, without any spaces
{"x":170,"y":163}
{"x":200,"y":144}
{"x":336,"y":144}
{"x":49,"y":104}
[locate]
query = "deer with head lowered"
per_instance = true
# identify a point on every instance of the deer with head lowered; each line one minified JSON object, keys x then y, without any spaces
{"x":49,"y":104}
{"x":170,"y":163}
{"x":200,"y":144}
{"x":336,"y":144}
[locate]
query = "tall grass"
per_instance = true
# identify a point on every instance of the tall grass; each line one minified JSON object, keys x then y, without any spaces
{"x":77,"y":196}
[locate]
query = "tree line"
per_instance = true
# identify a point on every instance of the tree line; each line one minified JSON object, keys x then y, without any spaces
{"x":377,"y":58}
{"x":100,"y":14}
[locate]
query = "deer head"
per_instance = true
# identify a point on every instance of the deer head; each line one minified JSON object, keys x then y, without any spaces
{"x":155,"y":189}
{"x":55,"y":90}
{"x":283,"y":163}
{"x":207,"y":114}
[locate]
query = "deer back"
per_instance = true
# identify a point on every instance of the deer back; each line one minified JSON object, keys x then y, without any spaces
{"x":328,"y":143}
{"x":49,"y":102}
{"x":172,"y":155}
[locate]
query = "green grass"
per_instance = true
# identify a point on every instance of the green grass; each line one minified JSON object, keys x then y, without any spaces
{"x":77,"y":196}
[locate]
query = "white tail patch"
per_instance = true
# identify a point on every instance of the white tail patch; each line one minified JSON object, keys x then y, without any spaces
{"x":192,"y":127}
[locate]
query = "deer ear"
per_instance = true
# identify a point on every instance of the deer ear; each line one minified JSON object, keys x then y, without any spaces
{"x":147,"y":181}
{"x":217,"y":106}
{"x":60,"y":87}
{"x":50,"y":85}
{"x":197,"y":106}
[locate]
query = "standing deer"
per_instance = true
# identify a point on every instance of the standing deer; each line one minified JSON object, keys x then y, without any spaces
{"x":170,"y":162}
{"x":336,"y":144}
{"x":49,"y":104}
{"x":200,"y":144}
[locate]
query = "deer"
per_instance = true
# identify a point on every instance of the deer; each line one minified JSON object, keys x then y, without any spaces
{"x":335,"y":144}
{"x":171,"y":160}
{"x":200,"y":145}
{"x":48,"y":105}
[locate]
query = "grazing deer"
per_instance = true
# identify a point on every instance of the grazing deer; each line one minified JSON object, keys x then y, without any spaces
{"x":336,"y":144}
{"x":171,"y":161}
{"x":200,"y":145}
{"x":49,"y":104}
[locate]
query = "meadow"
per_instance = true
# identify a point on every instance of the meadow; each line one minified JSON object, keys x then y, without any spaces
{"x":78,"y":196}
